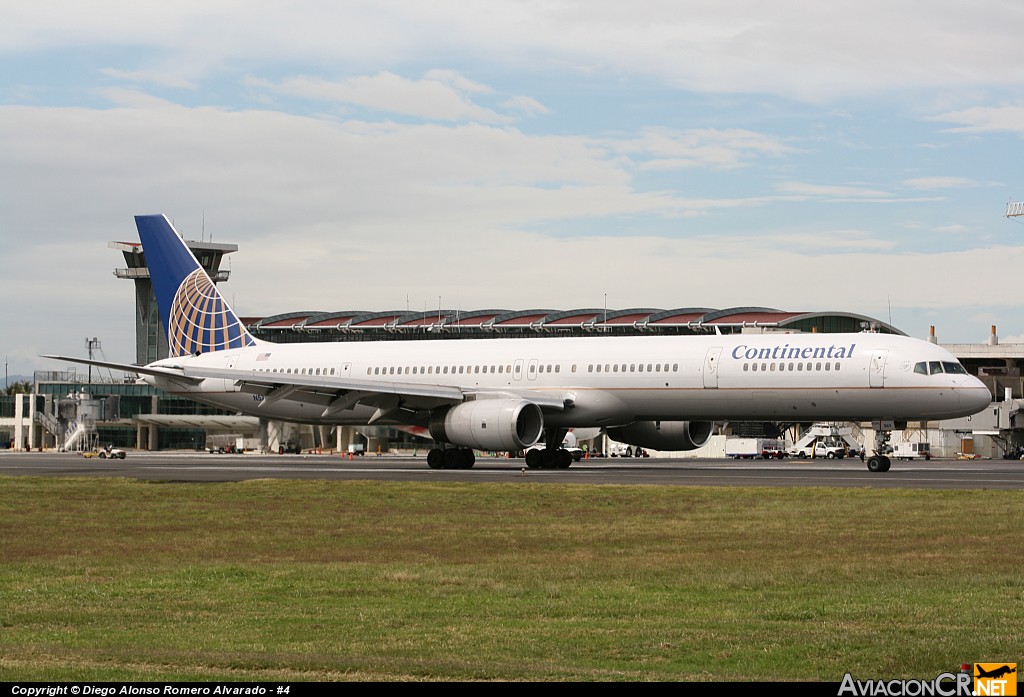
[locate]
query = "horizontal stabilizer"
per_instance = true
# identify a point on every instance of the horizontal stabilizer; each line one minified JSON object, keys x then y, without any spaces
{"x":164,"y":372}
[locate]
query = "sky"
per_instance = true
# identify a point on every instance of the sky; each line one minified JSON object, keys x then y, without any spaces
{"x":847,"y":156}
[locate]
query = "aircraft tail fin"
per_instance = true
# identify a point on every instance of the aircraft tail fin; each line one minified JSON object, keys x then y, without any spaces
{"x":195,"y":315}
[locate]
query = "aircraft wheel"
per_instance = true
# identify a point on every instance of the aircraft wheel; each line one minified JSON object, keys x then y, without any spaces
{"x":435,"y":459}
{"x":548,"y":459}
{"x":534,"y":459}
{"x":563,"y":459}
{"x":878,"y":463}
{"x":467,"y":458}
{"x":452,"y":458}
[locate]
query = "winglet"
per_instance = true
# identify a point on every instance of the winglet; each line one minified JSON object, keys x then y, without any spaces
{"x":195,"y":315}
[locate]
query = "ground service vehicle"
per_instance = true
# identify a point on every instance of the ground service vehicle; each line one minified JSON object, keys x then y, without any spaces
{"x":108,"y":452}
{"x":750,"y":448}
{"x":909,"y":451}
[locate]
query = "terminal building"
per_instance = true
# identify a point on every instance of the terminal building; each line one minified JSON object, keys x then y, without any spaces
{"x":67,"y":412}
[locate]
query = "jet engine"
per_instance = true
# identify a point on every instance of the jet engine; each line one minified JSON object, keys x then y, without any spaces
{"x":664,"y":435}
{"x":488,"y":424}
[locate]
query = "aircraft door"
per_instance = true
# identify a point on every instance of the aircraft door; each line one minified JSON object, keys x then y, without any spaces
{"x":230,"y":361}
{"x":517,"y":370}
{"x":711,"y":361}
{"x":876,"y":370}
{"x":346,"y":370}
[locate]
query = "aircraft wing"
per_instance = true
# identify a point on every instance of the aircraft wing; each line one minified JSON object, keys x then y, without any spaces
{"x":337,"y":394}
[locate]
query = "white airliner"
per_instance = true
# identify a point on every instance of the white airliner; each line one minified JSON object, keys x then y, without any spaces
{"x":657,"y":392}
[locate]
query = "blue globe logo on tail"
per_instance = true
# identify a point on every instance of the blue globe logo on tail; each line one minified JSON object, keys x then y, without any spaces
{"x":194,"y":314}
{"x":200,"y":321}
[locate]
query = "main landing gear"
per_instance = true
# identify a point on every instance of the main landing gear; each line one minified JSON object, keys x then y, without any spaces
{"x":451,"y":458}
{"x":552,"y":455}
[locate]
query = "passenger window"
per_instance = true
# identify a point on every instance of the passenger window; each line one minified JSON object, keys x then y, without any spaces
{"x":746,"y":367}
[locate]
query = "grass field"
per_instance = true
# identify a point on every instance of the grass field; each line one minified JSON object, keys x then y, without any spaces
{"x":105,"y":579}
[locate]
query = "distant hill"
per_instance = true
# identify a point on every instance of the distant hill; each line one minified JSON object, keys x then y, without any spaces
{"x":11,"y":379}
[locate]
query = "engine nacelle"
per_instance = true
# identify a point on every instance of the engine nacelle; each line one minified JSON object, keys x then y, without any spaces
{"x":489,"y":424}
{"x":664,"y":435}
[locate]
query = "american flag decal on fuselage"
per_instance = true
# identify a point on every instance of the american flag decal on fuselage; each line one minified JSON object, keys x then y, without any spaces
{"x":200,"y":321}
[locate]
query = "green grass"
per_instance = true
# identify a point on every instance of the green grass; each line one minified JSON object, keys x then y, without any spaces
{"x":106,"y":579}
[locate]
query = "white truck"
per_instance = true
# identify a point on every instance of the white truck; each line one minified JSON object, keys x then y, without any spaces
{"x":820,"y":440}
{"x":750,"y":448}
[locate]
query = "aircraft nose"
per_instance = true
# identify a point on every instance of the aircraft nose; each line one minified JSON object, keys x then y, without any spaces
{"x":975,"y":396}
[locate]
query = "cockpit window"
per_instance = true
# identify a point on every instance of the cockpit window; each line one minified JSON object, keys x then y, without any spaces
{"x":939,"y":367}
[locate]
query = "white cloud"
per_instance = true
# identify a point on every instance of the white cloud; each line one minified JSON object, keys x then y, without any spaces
{"x":982,"y":119}
{"x":952,"y":229}
{"x":525,"y":105}
{"x":390,"y":93}
{"x":789,"y":47}
{"x":930,"y":183}
{"x":831,"y":191}
{"x":667,"y":149}
{"x":144,"y":77}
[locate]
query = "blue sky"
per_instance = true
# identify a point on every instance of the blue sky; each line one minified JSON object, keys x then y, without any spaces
{"x":805,"y":156}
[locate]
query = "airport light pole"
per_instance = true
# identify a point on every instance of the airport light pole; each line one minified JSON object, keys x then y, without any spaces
{"x":91,"y":345}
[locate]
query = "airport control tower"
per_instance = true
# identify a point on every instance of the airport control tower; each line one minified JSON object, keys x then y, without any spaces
{"x":150,"y":339}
